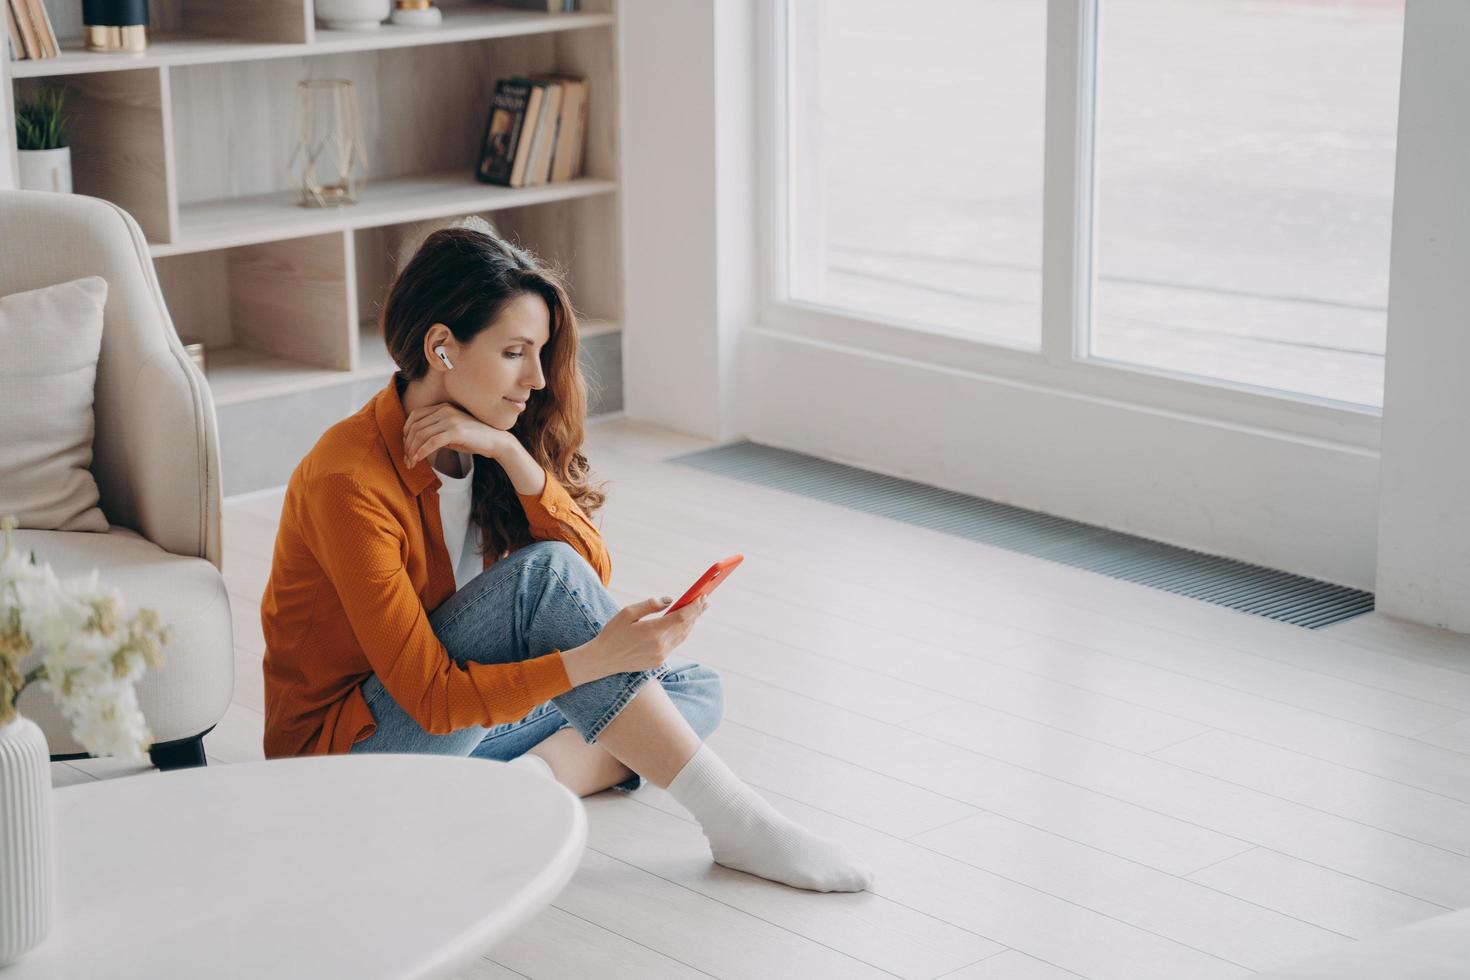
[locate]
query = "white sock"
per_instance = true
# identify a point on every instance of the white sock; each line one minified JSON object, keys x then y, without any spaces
{"x":533,"y":763}
{"x":748,"y":834}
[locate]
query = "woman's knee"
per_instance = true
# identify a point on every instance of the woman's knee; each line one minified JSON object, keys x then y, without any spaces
{"x":537,"y":596}
{"x":565,"y":600}
{"x":699,"y":692}
{"x":568,"y":563}
{"x":559,"y":551}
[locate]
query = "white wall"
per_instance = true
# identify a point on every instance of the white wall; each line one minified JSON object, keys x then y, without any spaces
{"x":688,"y":248}
{"x":1424,"y":524}
{"x":1304,"y":505}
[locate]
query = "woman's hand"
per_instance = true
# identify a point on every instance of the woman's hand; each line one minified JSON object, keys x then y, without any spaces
{"x":434,"y":427}
{"x":629,"y":643}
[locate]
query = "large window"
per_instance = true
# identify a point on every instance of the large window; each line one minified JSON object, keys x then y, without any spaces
{"x":1236,"y":220}
{"x":1244,"y":156}
{"x":915,"y":152}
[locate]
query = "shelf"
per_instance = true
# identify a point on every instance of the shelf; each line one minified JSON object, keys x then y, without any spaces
{"x":459,"y":25}
{"x":239,"y":374}
{"x":372,"y":353}
{"x":275,"y":216}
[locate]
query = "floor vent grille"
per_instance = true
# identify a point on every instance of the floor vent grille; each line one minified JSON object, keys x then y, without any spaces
{"x":1249,"y":588}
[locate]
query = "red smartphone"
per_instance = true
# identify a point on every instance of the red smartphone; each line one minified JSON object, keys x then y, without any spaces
{"x":707,"y":582}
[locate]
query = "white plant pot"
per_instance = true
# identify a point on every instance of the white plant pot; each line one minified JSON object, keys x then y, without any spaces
{"x":46,"y":170}
{"x":353,"y":15}
{"x":27,"y":839}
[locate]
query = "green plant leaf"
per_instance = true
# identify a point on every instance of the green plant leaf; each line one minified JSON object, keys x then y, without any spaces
{"x":39,"y":122}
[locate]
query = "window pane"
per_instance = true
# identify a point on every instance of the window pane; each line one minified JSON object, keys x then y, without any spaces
{"x":1245,"y":156}
{"x":915,"y":161}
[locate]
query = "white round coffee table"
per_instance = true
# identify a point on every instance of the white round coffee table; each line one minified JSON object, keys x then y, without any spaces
{"x":364,"y":866}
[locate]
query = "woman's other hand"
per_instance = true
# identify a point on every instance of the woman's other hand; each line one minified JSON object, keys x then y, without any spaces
{"x":434,"y":427}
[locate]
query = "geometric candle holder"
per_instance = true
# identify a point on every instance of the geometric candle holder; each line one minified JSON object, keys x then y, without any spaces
{"x":328,"y":166}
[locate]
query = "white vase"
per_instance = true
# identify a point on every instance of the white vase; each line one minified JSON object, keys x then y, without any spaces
{"x":46,"y":170}
{"x":27,"y":839}
{"x":353,"y":15}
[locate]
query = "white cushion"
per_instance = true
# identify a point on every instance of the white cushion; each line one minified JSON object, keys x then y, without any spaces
{"x":193,"y":688}
{"x":50,"y":339}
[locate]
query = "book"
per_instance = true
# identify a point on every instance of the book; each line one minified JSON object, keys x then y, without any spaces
{"x":12,"y":33}
{"x":579,"y":157}
{"x":37,"y":13}
{"x":48,"y":33}
{"x":570,"y":121}
{"x":503,"y":128}
{"x":540,"y":164}
{"x":30,"y":44}
{"x":528,"y":128}
{"x":569,"y":161}
{"x":545,"y":6}
{"x":558,"y":125}
{"x":534,"y":128}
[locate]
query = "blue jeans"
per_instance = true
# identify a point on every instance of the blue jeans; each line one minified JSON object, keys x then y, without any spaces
{"x":538,"y":598}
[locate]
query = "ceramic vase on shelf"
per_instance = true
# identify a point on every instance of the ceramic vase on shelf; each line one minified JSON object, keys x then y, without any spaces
{"x":416,"y":13}
{"x":46,"y":170}
{"x":116,"y":26}
{"x":27,"y":839}
{"x":353,"y":15}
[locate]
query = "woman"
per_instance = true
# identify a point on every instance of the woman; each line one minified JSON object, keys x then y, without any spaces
{"x":438,"y":587}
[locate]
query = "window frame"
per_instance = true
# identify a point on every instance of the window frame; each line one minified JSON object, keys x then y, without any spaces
{"x":1062,"y":363}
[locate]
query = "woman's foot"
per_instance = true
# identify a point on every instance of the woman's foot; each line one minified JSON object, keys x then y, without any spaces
{"x":748,"y":834}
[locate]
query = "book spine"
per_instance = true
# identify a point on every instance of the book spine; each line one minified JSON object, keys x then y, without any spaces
{"x":27,"y":32}
{"x":38,"y":28}
{"x":579,"y":158}
{"x":12,"y":33}
{"x":556,"y":135}
{"x":528,"y":129}
{"x":541,"y":153}
{"x":563,"y":134}
{"x":52,"y":47}
{"x":566,"y":139}
{"x":533,"y":137}
{"x":502,"y":132}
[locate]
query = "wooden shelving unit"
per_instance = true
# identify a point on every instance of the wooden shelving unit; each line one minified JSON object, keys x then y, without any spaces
{"x":396,"y":200}
{"x":193,"y":136}
{"x":179,"y":48}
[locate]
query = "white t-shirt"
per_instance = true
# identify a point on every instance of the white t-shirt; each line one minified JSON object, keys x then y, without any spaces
{"x":460,"y":538}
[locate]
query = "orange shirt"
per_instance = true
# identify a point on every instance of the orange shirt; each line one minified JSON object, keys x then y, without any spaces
{"x":359,"y":564}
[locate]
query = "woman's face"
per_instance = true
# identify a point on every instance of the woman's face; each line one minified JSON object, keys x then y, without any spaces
{"x":501,"y":366}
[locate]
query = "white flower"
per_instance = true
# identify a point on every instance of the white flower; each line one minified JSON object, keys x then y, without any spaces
{"x":90,"y":658}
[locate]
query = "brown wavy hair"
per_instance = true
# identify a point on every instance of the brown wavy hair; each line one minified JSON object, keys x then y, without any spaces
{"x":463,"y":278}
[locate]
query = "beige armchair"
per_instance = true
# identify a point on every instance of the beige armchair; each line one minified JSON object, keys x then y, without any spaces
{"x":156,"y":463}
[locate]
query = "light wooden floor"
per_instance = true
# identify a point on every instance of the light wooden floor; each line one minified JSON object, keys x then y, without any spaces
{"x":1053,"y":773}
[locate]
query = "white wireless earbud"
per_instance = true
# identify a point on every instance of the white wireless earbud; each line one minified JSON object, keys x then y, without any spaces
{"x":443,"y":357}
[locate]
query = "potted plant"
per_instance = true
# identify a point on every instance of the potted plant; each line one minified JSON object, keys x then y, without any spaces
{"x":40,"y":131}
{"x":71,"y":638}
